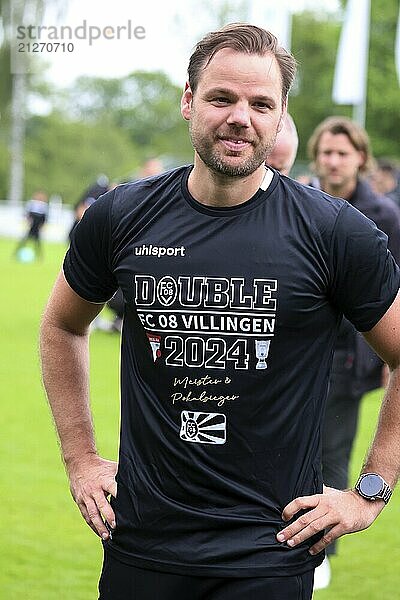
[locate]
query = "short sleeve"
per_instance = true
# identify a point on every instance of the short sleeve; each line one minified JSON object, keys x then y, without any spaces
{"x":87,"y":262}
{"x":364,"y":275}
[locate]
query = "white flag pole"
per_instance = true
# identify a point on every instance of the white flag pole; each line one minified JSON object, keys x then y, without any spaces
{"x":351,"y":69}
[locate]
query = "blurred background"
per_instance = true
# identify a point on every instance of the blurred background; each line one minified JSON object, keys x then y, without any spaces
{"x":117,"y":100}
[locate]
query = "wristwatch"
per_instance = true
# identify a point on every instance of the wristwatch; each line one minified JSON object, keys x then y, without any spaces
{"x":373,"y":487}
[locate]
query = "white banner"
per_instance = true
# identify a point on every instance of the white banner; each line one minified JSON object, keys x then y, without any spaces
{"x":349,"y":85}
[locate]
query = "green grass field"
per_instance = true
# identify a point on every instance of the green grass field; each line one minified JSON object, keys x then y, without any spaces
{"x":47,"y":552}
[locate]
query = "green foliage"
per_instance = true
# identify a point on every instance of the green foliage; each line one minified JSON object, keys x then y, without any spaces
{"x":101,"y":126}
{"x":113,"y":125}
{"x":314,"y":44}
{"x":383,"y":114}
{"x":145,"y":105}
{"x":47,"y":552}
{"x":5,"y":85}
{"x":74,"y":153}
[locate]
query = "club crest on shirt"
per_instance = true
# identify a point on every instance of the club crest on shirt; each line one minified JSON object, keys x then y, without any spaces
{"x":203,"y":428}
{"x":166,"y":291}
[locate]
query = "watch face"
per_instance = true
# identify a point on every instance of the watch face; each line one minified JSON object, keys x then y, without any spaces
{"x":371,"y":485}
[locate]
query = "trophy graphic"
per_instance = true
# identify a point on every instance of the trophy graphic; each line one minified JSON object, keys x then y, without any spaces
{"x":155,"y":343}
{"x":262,"y":349}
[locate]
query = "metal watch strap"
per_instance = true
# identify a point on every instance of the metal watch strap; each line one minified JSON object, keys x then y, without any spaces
{"x":386,"y":492}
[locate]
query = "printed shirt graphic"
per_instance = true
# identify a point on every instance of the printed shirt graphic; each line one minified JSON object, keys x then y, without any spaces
{"x":215,"y":307}
{"x":203,"y":428}
{"x":230,"y":321}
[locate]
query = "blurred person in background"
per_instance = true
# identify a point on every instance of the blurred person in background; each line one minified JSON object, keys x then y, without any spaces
{"x":151,"y":166}
{"x":37,"y":212}
{"x":92,"y":193}
{"x":284,"y":152}
{"x":385,"y":179}
{"x":341,"y":155}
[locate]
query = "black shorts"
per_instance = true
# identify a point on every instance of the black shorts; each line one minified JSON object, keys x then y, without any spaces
{"x":120,"y":581}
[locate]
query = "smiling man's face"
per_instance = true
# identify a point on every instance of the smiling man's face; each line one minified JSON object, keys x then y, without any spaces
{"x":235,"y":112}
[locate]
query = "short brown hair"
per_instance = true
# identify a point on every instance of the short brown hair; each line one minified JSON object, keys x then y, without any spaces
{"x":358,"y":138}
{"x":242,"y":38}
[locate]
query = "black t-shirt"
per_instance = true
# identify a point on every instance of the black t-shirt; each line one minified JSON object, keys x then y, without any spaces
{"x":230,"y":323}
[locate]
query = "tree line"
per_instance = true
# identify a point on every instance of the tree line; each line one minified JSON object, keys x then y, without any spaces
{"x":111,"y":126}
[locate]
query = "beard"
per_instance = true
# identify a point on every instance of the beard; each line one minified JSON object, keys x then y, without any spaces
{"x":219,"y":163}
{"x":335,"y":182}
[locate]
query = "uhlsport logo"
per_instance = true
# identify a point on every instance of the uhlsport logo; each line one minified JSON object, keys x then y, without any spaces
{"x":203,"y":428}
{"x":159,"y":251}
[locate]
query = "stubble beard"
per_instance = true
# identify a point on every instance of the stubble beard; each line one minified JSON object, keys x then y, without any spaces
{"x":219,"y":164}
{"x":327,"y":182}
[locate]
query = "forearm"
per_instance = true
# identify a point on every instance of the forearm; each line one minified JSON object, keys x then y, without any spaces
{"x":65,"y":372}
{"x":339,"y":512}
{"x":384,"y":455}
{"x":64,"y":347}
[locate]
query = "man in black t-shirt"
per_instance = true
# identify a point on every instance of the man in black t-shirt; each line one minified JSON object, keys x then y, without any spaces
{"x":235,"y":280}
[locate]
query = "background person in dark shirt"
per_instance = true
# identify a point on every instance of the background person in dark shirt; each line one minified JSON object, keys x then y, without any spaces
{"x":341,"y":155}
{"x":385,"y":179}
{"x":36,"y":211}
{"x":94,"y":191}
